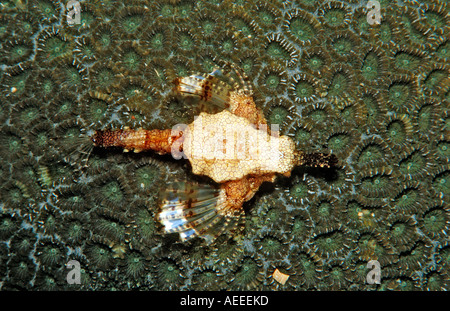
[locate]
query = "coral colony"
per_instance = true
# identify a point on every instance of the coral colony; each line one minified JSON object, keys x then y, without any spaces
{"x":343,"y":171}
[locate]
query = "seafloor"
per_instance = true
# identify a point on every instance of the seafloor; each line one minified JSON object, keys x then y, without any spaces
{"x":377,"y":96}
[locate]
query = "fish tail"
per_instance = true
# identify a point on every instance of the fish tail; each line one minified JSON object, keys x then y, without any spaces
{"x":316,"y":159}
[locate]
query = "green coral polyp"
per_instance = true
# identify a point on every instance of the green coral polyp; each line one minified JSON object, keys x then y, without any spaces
{"x":406,"y":61}
{"x":105,"y":78}
{"x":442,"y":183}
{"x":13,"y":143}
{"x":47,"y":9}
{"x":353,"y":211}
{"x":48,"y":86}
{"x":111,"y":229}
{"x":131,"y":60}
{"x":338,"y":142}
{"x":208,"y":27}
{"x":343,"y":45}
{"x":29,"y":114}
{"x":402,"y":234}
{"x":414,"y":35}
{"x":304,"y":90}
{"x":23,"y":270}
{"x":135,"y":265}
{"x":376,"y":186}
{"x":386,"y":35}
{"x":75,"y":201}
{"x":7,"y":227}
{"x":407,"y":200}
{"x":246,"y":276}
{"x":167,"y":10}
{"x":157,"y":41}
{"x":434,"y":79}
{"x":278,"y":115}
{"x":309,"y":268}
{"x":443,"y":50}
{"x":112,"y":191}
{"x":169,"y":274}
{"x":86,"y":52}
{"x":315,"y":62}
{"x":301,"y":29}
{"x":146,"y":176}
{"x":396,"y":132}
{"x":86,"y":19}
{"x":105,"y":40}
{"x":133,"y":90}
{"x":425,"y":118}
{"x":272,"y":81}
{"x":435,"y":19}
{"x":435,"y":282}
{"x":58,"y":173}
{"x":399,"y":95}
{"x":42,"y":139}
{"x":435,"y":223}
{"x":316,"y":112}
{"x":413,"y":165}
{"x":131,"y":23}
{"x":243,"y":27}
{"x":19,"y":83}
{"x":302,"y":135}
{"x":19,"y":53}
{"x":50,"y":255}
{"x":75,"y":232}
{"x":186,"y":42}
{"x":371,"y":66}
{"x":339,"y":85}
{"x":318,"y":115}
{"x":334,"y":17}
{"x":97,"y":110}
{"x":208,"y":277}
{"x":265,"y":18}
{"x":371,"y":152}
{"x":324,"y":209}
{"x":15,"y":195}
{"x":298,"y":191}
{"x":72,"y":76}
{"x":331,"y":245}
{"x":270,"y":245}
{"x":55,"y":48}
{"x":275,"y":50}
{"x":248,"y":65}
{"x":299,"y":228}
{"x":100,"y":256}
{"x":228,"y":45}
{"x":336,"y":277}
{"x":443,"y":150}
{"x":146,"y":224}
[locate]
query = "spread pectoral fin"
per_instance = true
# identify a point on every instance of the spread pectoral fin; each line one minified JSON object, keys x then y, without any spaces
{"x":213,"y":93}
{"x":195,"y":210}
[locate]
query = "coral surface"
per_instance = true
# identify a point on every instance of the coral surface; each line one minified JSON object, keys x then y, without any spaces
{"x":377,"y":96}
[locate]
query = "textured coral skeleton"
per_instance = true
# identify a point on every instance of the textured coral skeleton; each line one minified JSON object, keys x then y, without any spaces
{"x":233,"y":147}
{"x":385,"y":115}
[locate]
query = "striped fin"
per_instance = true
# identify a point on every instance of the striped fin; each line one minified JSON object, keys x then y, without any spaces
{"x":245,"y":86}
{"x":212,"y":92}
{"x":194,"y":210}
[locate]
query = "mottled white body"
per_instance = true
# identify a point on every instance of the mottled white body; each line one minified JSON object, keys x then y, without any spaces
{"x":227,"y":147}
